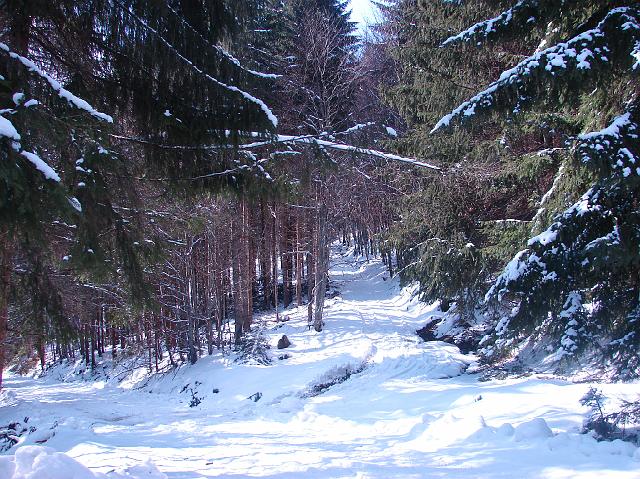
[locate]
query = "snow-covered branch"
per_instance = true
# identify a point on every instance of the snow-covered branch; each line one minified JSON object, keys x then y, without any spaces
{"x":609,"y":148}
{"x":62,"y":93}
{"x":262,"y":105}
{"x":290,"y":139}
{"x":482,"y":30}
{"x":619,"y":30}
{"x":7,"y":130}
{"x":347,"y":148}
{"x":220,"y":49}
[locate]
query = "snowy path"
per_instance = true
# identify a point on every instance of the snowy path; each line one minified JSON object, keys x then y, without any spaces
{"x":408,"y":413}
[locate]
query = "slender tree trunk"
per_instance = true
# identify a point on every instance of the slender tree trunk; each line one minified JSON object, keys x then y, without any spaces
{"x":101,"y":314}
{"x":219,"y":305}
{"x":285,"y":260}
{"x":249,"y":275}
{"x":192,"y":354}
{"x":86,"y":345}
{"x":298,"y":263}
{"x":236,"y":260}
{"x":209,"y":296}
{"x":265,"y":255}
{"x":6,"y":258}
{"x":274,"y":260}
{"x":157,"y":351}
{"x":311,"y":260}
{"x":322,"y":266}
{"x":92,"y":334}
{"x":41,"y":347}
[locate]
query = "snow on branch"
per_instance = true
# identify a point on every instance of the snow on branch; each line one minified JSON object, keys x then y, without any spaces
{"x":220,"y":49}
{"x":620,"y":29}
{"x":504,"y":21}
{"x":7,"y":130}
{"x":310,"y":140}
{"x":636,"y":55}
{"x":612,"y":148}
{"x":40,"y":165}
{"x":62,"y":93}
{"x":265,"y":109}
{"x":575,"y":237}
{"x":291,"y":139}
{"x":548,"y":246}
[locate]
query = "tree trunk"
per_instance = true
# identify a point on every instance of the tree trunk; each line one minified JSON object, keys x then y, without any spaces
{"x":92,"y":334}
{"x":265,"y":255}
{"x":285,"y":260}
{"x":274,"y":260}
{"x":311,"y":259}
{"x":42,"y":352}
{"x":6,"y":257}
{"x":236,"y":260}
{"x":249,"y":256}
{"x":298,"y":263}
{"x":322,"y":266}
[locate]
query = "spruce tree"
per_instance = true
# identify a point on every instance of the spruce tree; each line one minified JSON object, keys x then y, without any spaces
{"x":449,"y":236}
{"x":574,"y":288}
{"x":93,"y":94}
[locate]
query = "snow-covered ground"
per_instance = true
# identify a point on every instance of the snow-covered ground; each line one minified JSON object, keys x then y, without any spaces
{"x":405,"y":410}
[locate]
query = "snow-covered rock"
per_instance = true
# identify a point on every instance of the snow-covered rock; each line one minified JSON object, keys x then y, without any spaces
{"x":531,"y":430}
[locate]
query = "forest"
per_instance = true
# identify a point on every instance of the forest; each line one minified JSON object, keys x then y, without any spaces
{"x":169,"y":169}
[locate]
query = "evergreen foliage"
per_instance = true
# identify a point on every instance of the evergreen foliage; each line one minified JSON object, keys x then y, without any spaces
{"x":119,"y":112}
{"x":95,"y":96}
{"x":560,"y":291}
{"x":453,"y":232}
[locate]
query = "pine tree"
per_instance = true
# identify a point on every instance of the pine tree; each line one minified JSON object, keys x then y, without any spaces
{"x":95,"y":93}
{"x":575,"y":287}
{"x":450,"y":237}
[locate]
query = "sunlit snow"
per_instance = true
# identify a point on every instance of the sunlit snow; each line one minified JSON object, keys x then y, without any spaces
{"x":407,"y":410}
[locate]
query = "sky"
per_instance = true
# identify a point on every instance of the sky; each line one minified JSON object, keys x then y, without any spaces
{"x":362,"y":11}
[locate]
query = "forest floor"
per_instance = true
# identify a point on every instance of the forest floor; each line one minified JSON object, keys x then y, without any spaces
{"x":365,"y":398}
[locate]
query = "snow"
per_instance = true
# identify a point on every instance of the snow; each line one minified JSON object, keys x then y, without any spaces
{"x":8,"y":130}
{"x":553,"y":59}
{"x":265,"y":109}
{"x":354,"y":128}
{"x":75,"y":203}
{"x":635,"y":54}
{"x":544,"y":238}
{"x":220,"y":49}
{"x":55,"y":85}
{"x":612,"y":131}
{"x":342,"y":147}
{"x":391,"y":131}
{"x":406,"y":410}
{"x":516,"y":267}
{"x":48,"y":172}
{"x":487,"y":27}
{"x":608,"y":143}
{"x":38,"y":462}
{"x":531,"y":430}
